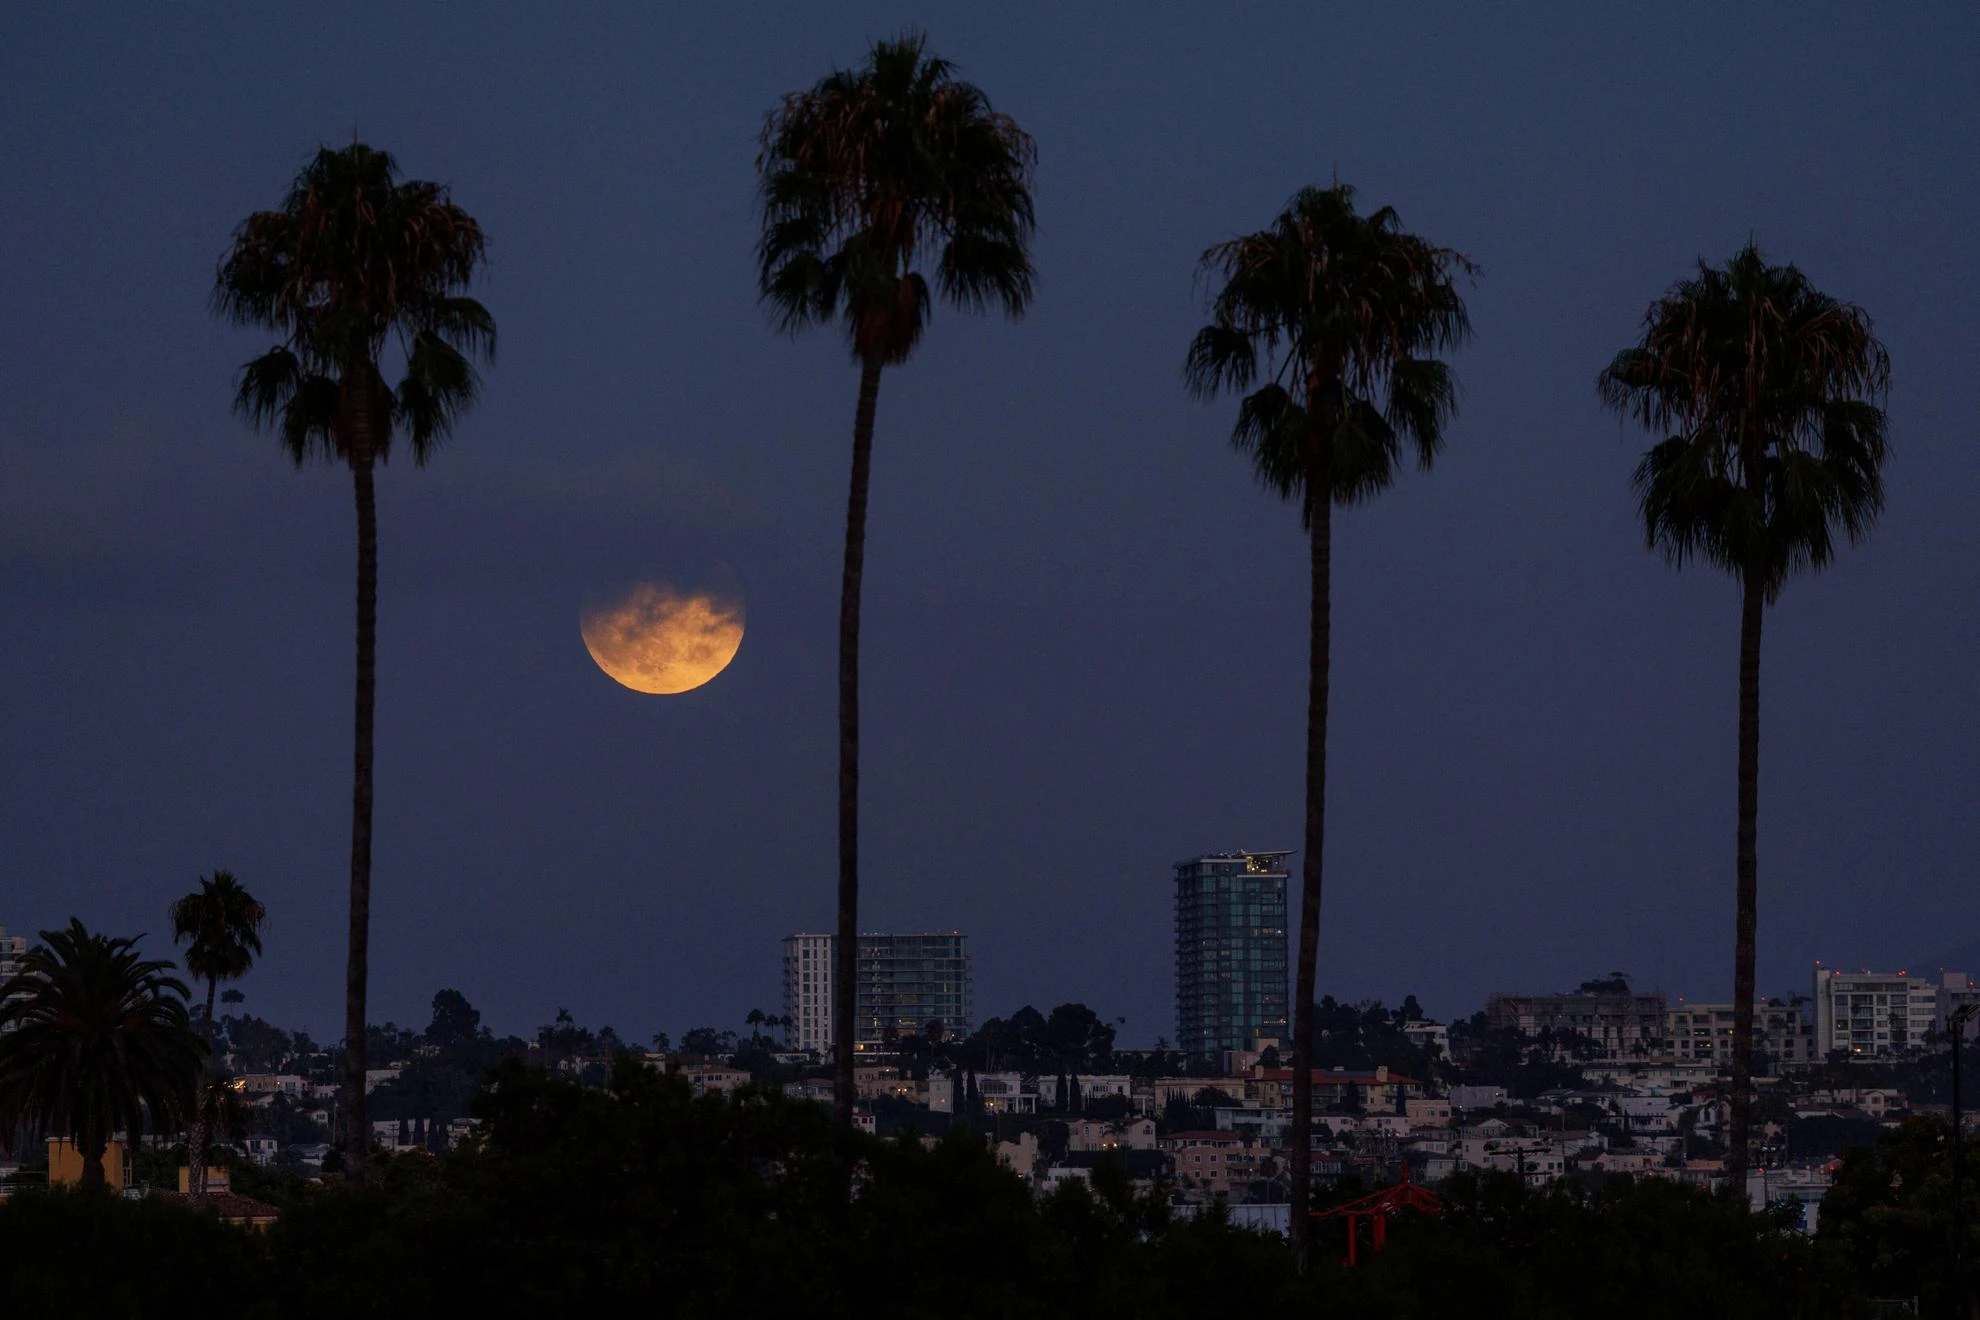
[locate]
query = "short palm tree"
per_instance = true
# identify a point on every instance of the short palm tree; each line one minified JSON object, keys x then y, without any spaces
{"x":1333,"y":317}
{"x":882,"y":188}
{"x":353,"y":263}
{"x":220,"y":923}
{"x":94,"y":1038}
{"x":1766,"y":390}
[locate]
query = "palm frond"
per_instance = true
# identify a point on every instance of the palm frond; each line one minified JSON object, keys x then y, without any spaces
{"x":439,"y":385}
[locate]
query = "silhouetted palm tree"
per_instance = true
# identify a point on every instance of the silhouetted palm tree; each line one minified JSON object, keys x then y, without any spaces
{"x":220,"y":922}
{"x":92,"y":1039}
{"x":1337,"y":314}
{"x":876,"y":183}
{"x":353,"y":262}
{"x":1766,"y":390}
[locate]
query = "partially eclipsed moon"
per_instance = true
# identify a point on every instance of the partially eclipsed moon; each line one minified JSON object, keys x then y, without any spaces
{"x":655,"y":639}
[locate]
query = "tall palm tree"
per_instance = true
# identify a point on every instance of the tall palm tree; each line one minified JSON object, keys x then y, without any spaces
{"x":353,"y":263}
{"x":1766,"y":390}
{"x":883,"y":187}
{"x":93,"y":1038}
{"x":1333,"y":316}
{"x":220,"y":922}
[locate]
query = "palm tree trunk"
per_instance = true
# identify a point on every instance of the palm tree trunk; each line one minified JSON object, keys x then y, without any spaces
{"x":357,"y":1133}
{"x":92,"y":1145}
{"x":1320,"y":518}
{"x":1746,"y":920}
{"x":845,"y":973}
{"x":196,"y":1148}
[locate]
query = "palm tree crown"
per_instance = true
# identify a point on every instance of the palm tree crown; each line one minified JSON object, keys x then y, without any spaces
{"x":220,"y":923}
{"x":93,"y":1038}
{"x":875,"y":174}
{"x":1765,"y":388}
{"x":353,"y":260}
{"x":1337,"y":313}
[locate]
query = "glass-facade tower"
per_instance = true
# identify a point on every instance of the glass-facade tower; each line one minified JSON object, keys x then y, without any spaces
{"x":908,"y":981}
{"x":1230,"y":951}
{"x":904,"y":983}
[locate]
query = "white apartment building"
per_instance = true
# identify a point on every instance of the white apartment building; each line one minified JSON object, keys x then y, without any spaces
{"x":1864,"y":1014}
{"x":808,"y":991}
{"x":1702,"y":1033}
{"x":1957,"y":991}
{"x":13,"y":948}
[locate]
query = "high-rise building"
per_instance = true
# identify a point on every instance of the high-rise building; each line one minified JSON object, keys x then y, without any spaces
{"x":1864,"y":1014}
{"x":808,"y":973}
{"x":904,"y":983}
{"x":1230,"y":951}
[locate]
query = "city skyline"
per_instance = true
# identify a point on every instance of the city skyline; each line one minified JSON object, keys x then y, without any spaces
{"x":1084,"y":653}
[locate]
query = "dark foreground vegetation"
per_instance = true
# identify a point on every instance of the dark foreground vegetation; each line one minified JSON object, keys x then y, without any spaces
{"x":637,"y":1198}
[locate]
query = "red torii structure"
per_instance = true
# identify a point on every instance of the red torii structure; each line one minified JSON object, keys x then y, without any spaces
{"x":1377,"y":1207}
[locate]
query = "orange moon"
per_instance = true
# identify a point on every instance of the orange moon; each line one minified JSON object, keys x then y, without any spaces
{"x":659,"y":640}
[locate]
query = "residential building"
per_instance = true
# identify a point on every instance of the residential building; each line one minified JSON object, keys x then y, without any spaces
{"x":1230,"y":951}
{"x":1616,"y":1024}
{"x":904,"y":982}
{"x":1861,"y":1015}
{"x":1478,"y":1097}
{"x":710,"y":1075}
{"x":1098,"y":1134}
{"x":1088,"y":1088}
{"x":1434,"y":1037}
{"x":808,"y":973}
{"x":1214,"y":1162}
{"x":289,"y":1084}
{"x":1005,"y":1093}
{"x":1703,"y":1033}
{"x":1957,"y":991}
{"x":13,"y":948}
{"x":1537,"y":1162}
{"x":1428,"y":1111}
{"x":1378,"y":1092}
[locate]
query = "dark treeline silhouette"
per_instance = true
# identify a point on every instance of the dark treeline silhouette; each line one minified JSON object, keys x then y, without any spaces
{"x":635,"y":1197}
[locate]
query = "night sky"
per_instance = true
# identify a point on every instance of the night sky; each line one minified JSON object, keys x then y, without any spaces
{"x":1085,"y":638}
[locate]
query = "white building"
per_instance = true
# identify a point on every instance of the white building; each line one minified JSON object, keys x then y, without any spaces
{"x":1536,"y":1161}
{"x":1702,"y":1033}
{"x":1864,"y":1014}
{"x":13,"y":948}
{"x":1433,"y":1036}
{"x":808,"y":991}
{"x":1957,"y":991}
